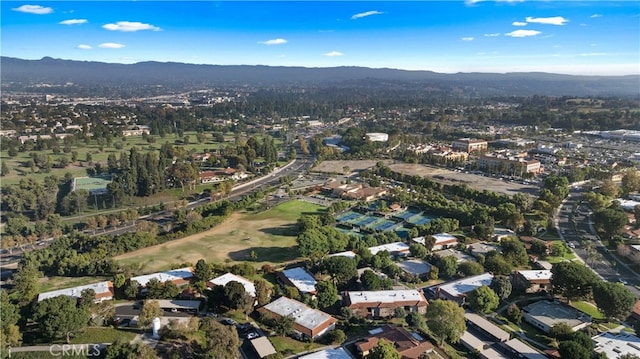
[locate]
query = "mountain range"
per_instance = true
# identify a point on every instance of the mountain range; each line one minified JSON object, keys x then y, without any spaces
{"x":84,"y":73}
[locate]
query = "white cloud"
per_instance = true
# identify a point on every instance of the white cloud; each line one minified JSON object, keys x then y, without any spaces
{"x":129,"y":26}
{"x":555,"y":20}
{"x":365,"y":14}
{"x":523,"y":33}
{"x":111,"y":45}
{"x":34,"y":9}
{"x":594,"y":54}
{"x":73,"y":22}
{"x":333,"y":54}
{"x":468,"y":38}
{"x":519,"y":23}
{"x":83,"y":47}
{"x":595,"y":16}
{"x":274,"y":42}
{"x":496,"y":34}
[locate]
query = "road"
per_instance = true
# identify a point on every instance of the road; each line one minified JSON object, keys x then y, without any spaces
{"x":607,"y":267}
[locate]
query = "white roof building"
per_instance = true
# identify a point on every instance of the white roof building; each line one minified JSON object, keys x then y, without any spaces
{"x":301,"y":279}
{"x":457,"y":290}
{"x":394,"y":248}
{"x":535,"y":275}
{"x":103,"y":291}
{"x":385,"y":296}
{"x":348,"y":254}
{"x":614,"y":345}
{"x":222,"y":280}
{"x":337,"y":353}
{"x":178,"y":276}
{"x":308,"y":322}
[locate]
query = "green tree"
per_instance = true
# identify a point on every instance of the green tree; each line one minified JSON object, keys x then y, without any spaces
{"x":370,"y":280}
{"x":483,"y":299}
{"x":150,"y":310}
{"x":5,"y":169}
{"x":415,"y":320}
{"x":615,"y":301}
{"x":337,"y":336}
{"x":263,"y":295}
{"x":445,"y":318}
{"x":327,"y":294}
{"x":384,"y":350}
{"x":60,"y":317}
{"x":25,"y":283}
{"x":132,"y":289}
{"x":514,"y":313}
{"x":417,"y":250}
{"x":610,"y":221}
{"x":284,"y":325}
{"x":561,"y":331}
{"x":573,"y":350}
{"x":573,"y":280}
{"x":235,"y":295}
{"x":123,"y":349}
{"x":221,"y":341}
{"x":119,"y":280}
{"x":342,"y":269}
{"x":155,"y":289}
{"x":501,"y":285}
{"x":514,"y":251}
{"x":448,"y":266}
{"x":9,"y":331}
{"x":202,"y":271}
{"x":470,"y":268}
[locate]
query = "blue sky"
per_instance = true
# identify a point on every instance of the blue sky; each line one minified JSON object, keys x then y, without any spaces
{"x":574,"y":37}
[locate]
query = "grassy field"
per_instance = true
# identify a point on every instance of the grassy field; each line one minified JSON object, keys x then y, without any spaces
{"x":101,"y":335}
{"x":270,"y":234}
{"x":588,"y":308}
{"x":54,"y":283}
{"x":288,"y":346}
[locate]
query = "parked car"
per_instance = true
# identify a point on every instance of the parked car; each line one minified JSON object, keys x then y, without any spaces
{"x":252,"y":335}
{"x":227,"y":321}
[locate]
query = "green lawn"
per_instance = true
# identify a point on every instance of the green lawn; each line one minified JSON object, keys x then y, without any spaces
{"x":54,"y":283}
{"x":588,"y":308}
{"x":289,"y":211}
{"x":289,"y":346}
{"x":101,"y":335}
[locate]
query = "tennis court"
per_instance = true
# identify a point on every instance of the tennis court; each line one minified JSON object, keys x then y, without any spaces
{"x":348,"y":216}
{"x":383,"y":225}
{"x":406,"y":215}
{"x":365,"y":221}
{"x":95,"y":185}
{"x":420,"y":219}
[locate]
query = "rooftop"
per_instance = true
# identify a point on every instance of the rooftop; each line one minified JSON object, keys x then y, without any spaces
{"x":615,"y":345}
{"x":552,"y":313}
{"x":301,"y":279}
{"x":172,"y":275}
{"x":230,"y":277}
{"x":461,"y":256}
{"x":304,"y":316}
{"x":386,"y":296}
{"x":443,"y":238}
{"x":179,"y":304}
{"x":100,"y":287}
{"x":524,"y":350}
{"x":532,"y":275}
{"x":349,"y":254}
{"x":337,"y":353}
{"x":465,"y":285}
{"x":395,"y":247}
{"x":487,"y":326}
{"x":263,"y":346}
{"x":415,"y":266}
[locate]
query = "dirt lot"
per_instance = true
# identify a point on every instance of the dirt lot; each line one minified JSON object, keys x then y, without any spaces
{"x":354,"y":165}
{"x":478,"y":182}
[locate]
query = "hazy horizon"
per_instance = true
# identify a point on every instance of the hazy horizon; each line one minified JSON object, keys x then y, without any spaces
{"x":575,"y":38}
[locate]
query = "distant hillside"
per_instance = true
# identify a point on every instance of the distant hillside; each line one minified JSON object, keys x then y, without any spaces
{"x":55,"y":71}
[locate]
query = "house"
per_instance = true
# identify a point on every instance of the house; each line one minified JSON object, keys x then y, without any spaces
{"x":545,"y":314}
{"x":298,"y":277}
{"x":532,"y":281}
{"x":528,"y":242}
{"x":442,"y":241}
{"x":416,"y":267}
{"x":102,"y":290}
{"x":262,"y":347}
{"x":615,"y":345}
{"x":177,"y":276}
{"x":487,"y":327}
{"x":308,"y":322}
{"x":481,"y":248}
{"x":522,"y":350}
{"x":382,"y":303}
{"x":399,"y":249}
{"x":460,"y":256}
{"x":191,"y":306}
{"x":457,"y":290}
{"x":230,"y":277}
{"x":409,"y":346}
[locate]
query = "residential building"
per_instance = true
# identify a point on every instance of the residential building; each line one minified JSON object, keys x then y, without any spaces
{"x":487,"y":327}
{"x":444,"y":240}
{"x":482,"y":248}
{"x":460,"y":256}
{"x":230,"y":277}
{"x":545,"y":314}
{"x":532,"y":281}
{"x":395,"y":249}
{"x":308,"y":322}
{"x":472,"y":342}
{"x":298,"y":277}
{"x":336,"y":353}
{"x":457,"y":290}
{"x":492,"y":353}
{"x":177,"y":276}
{"x":615,"y":345}
{"x":470,"y":145}
{"x":522,"y":350}
{"x":408,"y":345}
{"x":416,"y":267}
{"x":382,"y":303}
{"x":102,"y":290}
{"x":179,"y":305}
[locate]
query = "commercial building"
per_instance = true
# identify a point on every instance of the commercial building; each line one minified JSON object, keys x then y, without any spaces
{"x":545,"y":314}
{"x":532,"y":281}
{"x":615,"y":345}
{"x":222,"y":280}
{"x":394,"y":249}
{"x":470,"y":145}
{"x":457,"y":290}
{"x":409,"y":346}
{"x":508,"y":164}
{"x":298,"y":277}
{"x":308,"y":322}
{"x":442,"y":241}
{"x":103,"y":291}
{"x":177,"y":276}
{"x":382,"y":303}
{"x":377,"y":136}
